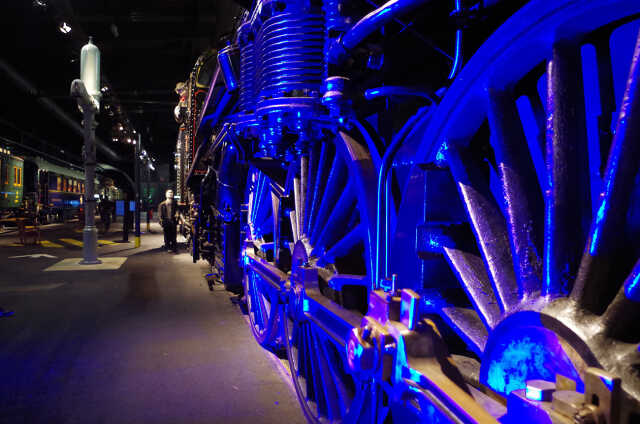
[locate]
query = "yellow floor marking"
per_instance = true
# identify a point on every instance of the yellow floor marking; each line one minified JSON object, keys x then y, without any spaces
{"x":71,"y":241}
{"x":47,"y":243}
{"x":106,"y":242}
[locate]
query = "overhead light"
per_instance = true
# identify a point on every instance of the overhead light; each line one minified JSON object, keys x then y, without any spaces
{"x":64,"y":28}
{"x":121,"y":127}
{"x":104,"y":89}
{"x":129,"y":140}
{"x":151,"y":167}
{"x":40,"y":3}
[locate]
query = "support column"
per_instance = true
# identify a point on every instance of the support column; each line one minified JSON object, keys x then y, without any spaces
{"x":89,"y":107}
{"x":137,"y":194}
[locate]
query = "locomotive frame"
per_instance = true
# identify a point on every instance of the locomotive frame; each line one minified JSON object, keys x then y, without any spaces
{"x":461,"y":254}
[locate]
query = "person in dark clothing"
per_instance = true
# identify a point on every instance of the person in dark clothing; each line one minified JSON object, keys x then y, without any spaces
{"x":168,"y":215}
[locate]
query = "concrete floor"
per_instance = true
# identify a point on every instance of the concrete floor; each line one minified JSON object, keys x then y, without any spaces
{"x":148,"y":343}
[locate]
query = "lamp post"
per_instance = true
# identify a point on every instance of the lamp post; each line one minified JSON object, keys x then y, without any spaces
{"x":87,"y":92}
{"x":148,"y":197}
{"x":137,"y":178}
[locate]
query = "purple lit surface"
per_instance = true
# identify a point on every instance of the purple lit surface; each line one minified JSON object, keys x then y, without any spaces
{"x":147,"y":344}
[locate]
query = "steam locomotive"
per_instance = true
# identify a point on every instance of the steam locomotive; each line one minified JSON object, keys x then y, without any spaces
{"x":432,"y":207}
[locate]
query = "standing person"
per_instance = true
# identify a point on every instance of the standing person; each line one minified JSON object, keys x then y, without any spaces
{"x":168,"y":215}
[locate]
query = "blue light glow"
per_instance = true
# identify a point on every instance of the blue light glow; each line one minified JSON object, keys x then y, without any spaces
{"x":516,"y":364}
{"x":533,"y":393}
{"x":441,"y":158}
{"x":305,"y":305}
{"x":596,"y":227}
{"x":457,"y":59}
{"x":632,"y":288}
{"x":607,"y":382}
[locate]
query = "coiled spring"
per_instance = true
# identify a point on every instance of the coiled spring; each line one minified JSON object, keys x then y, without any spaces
{"x":247,"y":96}
{"x":290,"y":54}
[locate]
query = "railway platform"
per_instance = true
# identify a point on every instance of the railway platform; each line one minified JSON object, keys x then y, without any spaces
{"x":147,"y":342}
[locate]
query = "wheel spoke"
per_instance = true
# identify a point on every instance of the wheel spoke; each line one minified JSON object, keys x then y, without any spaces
{"x":607,"y":97}
{"x":343,"y":246}
{"x":520,"y":189}
{"x":606,"y":239}
{"x":337,"y":176}
{"x":567,"y":192}
{"x":468,"y":326}
{"x":297,"y":200}
{"x":293,"y":220}
{"x":471,"y":274}
{"x":488,"y":225}
{"x":356,"y":406}
{"x":302,"y":194}
{"x":275,"y":208}
{"x":319,"y":386}
{"x":337,"y":222}
{"x":342,"y":397}
{"x":257,"y":307}
{"x":308,"y":370}
{"x":622,"y":317}
{"x":310,"y":185}
{"x":318,"y":185}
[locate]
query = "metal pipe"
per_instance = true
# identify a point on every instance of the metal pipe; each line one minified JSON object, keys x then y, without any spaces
{"x":340,"y":48}
{"x":63,"y":116}
{"x":387,"y":160}
{"x":399,"y":91}
{"x":457,"y":61}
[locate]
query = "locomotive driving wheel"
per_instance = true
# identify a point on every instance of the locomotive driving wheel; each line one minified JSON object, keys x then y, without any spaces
{"x":332,"y":228}
{"x":532,"y":212}
{"x":262,"y":277}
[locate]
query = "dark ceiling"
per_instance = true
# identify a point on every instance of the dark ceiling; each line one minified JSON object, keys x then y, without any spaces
{"x":146,"y":47}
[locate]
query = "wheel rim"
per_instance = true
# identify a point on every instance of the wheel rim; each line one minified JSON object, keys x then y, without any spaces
{"x":520,"y":283}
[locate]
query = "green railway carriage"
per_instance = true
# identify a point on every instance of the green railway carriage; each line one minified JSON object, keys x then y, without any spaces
{"x":56,"y":192}
{"x":11,"y":180}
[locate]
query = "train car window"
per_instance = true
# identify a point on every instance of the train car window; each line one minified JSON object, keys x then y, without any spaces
{"x":15,"y":175}
{"x":59,"y":184}
{"x":19,"y":176}
{"x":6,"y":174}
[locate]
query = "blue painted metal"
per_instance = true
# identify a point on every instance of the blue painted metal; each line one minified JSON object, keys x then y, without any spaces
{"x":340,"y":48}
{"x":227,"y":58}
